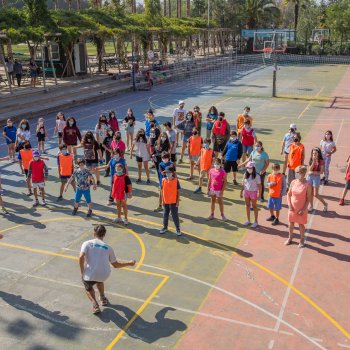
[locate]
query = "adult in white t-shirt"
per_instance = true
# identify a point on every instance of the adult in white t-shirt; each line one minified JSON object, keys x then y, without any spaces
{"x":179,"y":116}
{"x":96,"y":258}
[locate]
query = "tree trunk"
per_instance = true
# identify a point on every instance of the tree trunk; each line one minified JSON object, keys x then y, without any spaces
{"x":169,"y":8}
{"x":9,"y":49}
{"x":164,"y":8}
{"x":99,"y":48}
{"x":188,"y":8}
{"x":296,"y":14}
{"x":178,"y":8}
{"x":78,"y":5}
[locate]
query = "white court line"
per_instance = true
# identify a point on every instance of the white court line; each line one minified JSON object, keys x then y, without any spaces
{"x":297,"y":262}
{"x":229,"y":320}
{"x":245,"y":301}
{"x":343,"y":345}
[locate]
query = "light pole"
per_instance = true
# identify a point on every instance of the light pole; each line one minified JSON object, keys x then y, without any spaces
{"x":208,"y":12}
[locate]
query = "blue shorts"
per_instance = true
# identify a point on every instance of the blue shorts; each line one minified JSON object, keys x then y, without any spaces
{"x":185,"y":138}
{"x":79,"y":193}
{"x":10,"y":142}
{"x":274,"y":203}
{"x":314,"y":180}
{"x":247,"y":149}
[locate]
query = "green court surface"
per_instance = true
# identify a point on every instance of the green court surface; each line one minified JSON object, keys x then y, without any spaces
{"x":42,"y":301}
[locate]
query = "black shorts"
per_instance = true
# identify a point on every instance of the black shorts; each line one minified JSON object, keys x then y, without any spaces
{"x":347,"y":185}
{"x":26,"y":172}
{"x":230,"y":165}
{"x":139,"y":159}
{"x":41,"y":138}
{"x":60,"y":134}
{"x":173,"y":157}
{"x":89,"y":285}
{"x":219,"y":147}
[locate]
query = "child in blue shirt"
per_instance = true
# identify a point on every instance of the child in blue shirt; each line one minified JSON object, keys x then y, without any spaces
{"x":9,"y":134}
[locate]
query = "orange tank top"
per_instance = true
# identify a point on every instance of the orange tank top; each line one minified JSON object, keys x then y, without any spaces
{"x":66,"y":164}
{"x":195,"y":146}
{"x":294,"y":157}
{"x":275,"y":191}
{"x":206,"y":159}
{"x":27,"y":156}
{"x":169,"y":191}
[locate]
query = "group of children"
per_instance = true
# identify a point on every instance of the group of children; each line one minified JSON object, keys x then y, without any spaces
{"x":222,"y":151}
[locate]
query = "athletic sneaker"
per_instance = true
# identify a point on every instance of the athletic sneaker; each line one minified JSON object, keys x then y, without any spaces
{"x":235,"y":182}
{"x":160,"y":208}
{"x":98,"y":183}
{"x":118,"y":220}
{"x":181,"y":161}
{"x":36,"y":203}
{"x":342,"y":202}
{"x":254,"y":225}
{"x":246,"y":223}
{"x":325,"y":182}
{"x":110,"y":202}
{"x":271,"y":218}
{"x":163,"y":230}
{"x":138,"y":181}
{"x":59,"y":198}
{"x":310,"y":210}
{"x":198,"y":190}
{"x":178,"y":233}
{"x":275,"y":222}
{"x":262,"y":200}
{"x":189,"y":178}
{"x":224,"y":218}
{"x":148,"y":181}
{"x":43,"y":202}
{"x":126,"y":222}
{"x":89,"y":213}
{"x":74,"y":212}
{"x":210,"y":217}
{"x":4,"y":210}
{"x":325,"y":207}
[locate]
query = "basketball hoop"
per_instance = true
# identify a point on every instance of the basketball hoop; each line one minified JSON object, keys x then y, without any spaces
{"x":319,"y":39}
{"x":267,"y":52}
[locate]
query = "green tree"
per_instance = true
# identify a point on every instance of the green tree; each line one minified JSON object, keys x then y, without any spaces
{"x":153,"y":12}
{"x":260,"y":12}
{"x":338,"y":19}
{"x":36,"y":11}
{"x":199,"y":7}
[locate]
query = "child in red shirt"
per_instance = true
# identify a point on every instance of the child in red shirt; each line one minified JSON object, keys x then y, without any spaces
{"x":347,"y":183}
{"x":121,"y":190}
{"x":38,"y":172}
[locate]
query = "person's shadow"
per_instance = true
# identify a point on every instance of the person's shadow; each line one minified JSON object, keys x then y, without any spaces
{"x":141,"y":329}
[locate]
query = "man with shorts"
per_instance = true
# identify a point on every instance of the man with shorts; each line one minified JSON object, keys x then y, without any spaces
{"x":172,"y":140}
{"x":178,"y":117}
{"x":38,"y":172}
{"x":95,"y":259}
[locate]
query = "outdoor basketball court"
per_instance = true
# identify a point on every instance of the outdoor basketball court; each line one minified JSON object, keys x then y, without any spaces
{"x":219,"y":286}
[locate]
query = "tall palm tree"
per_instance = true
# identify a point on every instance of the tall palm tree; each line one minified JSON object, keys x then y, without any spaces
{"x":257,"y":10}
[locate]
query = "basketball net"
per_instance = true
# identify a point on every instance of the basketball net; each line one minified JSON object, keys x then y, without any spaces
{"x":267,"y":52}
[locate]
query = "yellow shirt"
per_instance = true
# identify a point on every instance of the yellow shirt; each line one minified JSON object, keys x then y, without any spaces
{"x":240,"y":122}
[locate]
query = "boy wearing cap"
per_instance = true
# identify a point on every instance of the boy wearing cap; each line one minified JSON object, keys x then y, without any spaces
{"x":170,"y":200}
{"x":178,"y":117}
{"x":38,"y":173}
{"x":288,"y":139}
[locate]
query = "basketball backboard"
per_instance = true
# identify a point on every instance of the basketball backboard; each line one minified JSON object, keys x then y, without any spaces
{"x":274,"y":40}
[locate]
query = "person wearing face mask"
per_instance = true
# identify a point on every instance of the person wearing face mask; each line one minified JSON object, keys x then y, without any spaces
{"x":154,"y":134}
{"x":220,"y":134}
{"x":347,"y":183}
{"x":232,"y":154}
{"x":65,"y":166}
{"x":101,"y":130}
{"x":296,"y":157}
{"x":70,"y":136}
{"x":142,"y":154}
{"x":244,"y":116}
{"x":261,"y":161}
{"x":197,"y":115}
{"x":22,"y":135}
{"x":113,"y":121}
{"x":164,"y":163}
{"x":179,"y":116}
{"x":162,"y":145}
{"x":212,"y":116}
{"x":251,"y":192}
{"x":118,"y":143}
{"x":328,"y":148}
{"x":170,"y":199}
{"x":204,"y":163}
{"x":9,"y":134}
{"x":37,"y":173}
{"x":248,"y":138}
{"x":111,"y":166}
{"x":2,"y":205}
{"x":187,"y":127}
{"x":129,"y":125}
{"x":107,"y":146}
{"x":172,"y":140}
{"x":277,"y":185}
{"x":121,"y":190}
{"x":41,"y":134}
{"x":216,"y":186}
{"x":194,"y":150}
{"x":150,"y":123}
{"x":287,"y":141}
{"x":298,"y":197}
{"x":59,"y":126}
{"x":83,"y":179}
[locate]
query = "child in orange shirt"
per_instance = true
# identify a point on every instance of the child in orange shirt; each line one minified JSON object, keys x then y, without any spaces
{"x":204,"y":163}
{"x":194,"y":150}
{"x":277,"y":185}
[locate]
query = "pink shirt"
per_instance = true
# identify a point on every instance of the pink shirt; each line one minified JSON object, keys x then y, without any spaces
{"x":120,"y":144}
{"x":217,"y":179}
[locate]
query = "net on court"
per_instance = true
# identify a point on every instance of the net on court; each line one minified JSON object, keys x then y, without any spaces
{"x":297,"y":76}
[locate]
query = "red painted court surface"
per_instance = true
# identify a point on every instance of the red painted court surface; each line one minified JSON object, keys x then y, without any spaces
{"x":286,"y":297}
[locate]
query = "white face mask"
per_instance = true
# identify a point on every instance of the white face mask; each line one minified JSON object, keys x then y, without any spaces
{"x":250,"y":171}
{"x":297,"y":176}
{"x":233,"y":138}
{"x":165,"y":160}
{"x":36,"y":158}
{"x":217,"y":166}
{"x":275,"y":172}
